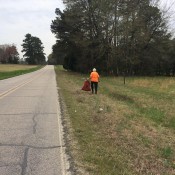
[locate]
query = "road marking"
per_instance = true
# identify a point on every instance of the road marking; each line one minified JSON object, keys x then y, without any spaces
{"x":60,"y":139}
{"x":4,"y":94}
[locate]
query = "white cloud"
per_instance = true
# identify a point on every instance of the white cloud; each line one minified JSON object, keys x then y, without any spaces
{"x":20,"y":17}
{"x":32,"y":5}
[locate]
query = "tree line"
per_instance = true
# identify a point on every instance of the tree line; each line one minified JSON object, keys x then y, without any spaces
{"x":115,"y":36}
{"x":9,"y":54}
{"x":33,"y":50}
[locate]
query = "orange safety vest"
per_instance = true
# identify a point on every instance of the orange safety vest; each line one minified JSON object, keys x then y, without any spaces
{"x":94,"y":76}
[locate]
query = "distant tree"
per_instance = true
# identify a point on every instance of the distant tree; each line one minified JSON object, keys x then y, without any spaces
{"x":51,"y":60}
{"x":33,"y":50}
{"x":28,"y":49}
{"x":1,"y":54}
{"x":9,"y":54}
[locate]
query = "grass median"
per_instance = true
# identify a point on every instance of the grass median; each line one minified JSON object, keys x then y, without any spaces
{"x":12,"y":70}
{"x":125,"y":129}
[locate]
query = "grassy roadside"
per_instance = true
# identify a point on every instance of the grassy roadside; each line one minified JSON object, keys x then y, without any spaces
{"x":8,"y":71}
{"x":133,"y":134}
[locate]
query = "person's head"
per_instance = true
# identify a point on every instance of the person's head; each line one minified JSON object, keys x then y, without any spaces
{"x":94,"y":70}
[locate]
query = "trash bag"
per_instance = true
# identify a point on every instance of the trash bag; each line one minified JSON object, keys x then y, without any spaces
{"x":86,"y":86}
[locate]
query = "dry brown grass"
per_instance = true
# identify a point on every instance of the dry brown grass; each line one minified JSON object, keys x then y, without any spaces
{"x":14,"y":67}
{"x":163,"y":84}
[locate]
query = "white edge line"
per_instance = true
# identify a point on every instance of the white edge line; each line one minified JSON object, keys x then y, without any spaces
{"x":60,"y":138}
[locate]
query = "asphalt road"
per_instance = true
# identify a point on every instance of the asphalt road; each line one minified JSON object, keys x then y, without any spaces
{"x":30,"y":126}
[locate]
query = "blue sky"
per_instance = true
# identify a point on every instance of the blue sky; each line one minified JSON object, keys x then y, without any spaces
{"x":19,"y":17}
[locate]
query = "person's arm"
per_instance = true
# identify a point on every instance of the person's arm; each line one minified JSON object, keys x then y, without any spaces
{"x":90,"y":76}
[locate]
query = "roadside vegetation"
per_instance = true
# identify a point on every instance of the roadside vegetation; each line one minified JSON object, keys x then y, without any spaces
{"x":11,"y":70}
{"x":125,"y":129}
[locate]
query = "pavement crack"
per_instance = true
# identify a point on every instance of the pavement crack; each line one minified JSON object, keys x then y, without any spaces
{"x":31,"y":147}
{"x":24,"y":164}
{"x":34,"y":123}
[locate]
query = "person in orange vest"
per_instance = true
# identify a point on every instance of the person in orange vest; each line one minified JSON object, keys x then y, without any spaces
{"x":94,"y":77}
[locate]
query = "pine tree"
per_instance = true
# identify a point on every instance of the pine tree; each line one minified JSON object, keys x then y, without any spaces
{"x":115,"y":36}
{"x":33,"y":50}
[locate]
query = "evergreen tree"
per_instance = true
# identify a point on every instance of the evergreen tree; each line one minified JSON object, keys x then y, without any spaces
{"x":33,"y":50}
{"x":115,"y":36}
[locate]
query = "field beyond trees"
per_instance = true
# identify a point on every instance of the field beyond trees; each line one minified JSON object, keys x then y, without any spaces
{"x":125,"y":129}
{"x":11,"y":70}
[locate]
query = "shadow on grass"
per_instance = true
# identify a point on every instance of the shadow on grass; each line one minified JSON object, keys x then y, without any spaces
{"x":122,"y":97}
{"x":153,"y":113}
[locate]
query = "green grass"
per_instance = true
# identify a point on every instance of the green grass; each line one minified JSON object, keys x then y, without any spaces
{"x":133,"y":134}
{"x":8,"y":71}
{"x":166,"y":152}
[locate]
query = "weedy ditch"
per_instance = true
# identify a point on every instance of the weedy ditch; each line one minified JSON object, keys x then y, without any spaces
{"x":124,"y":129}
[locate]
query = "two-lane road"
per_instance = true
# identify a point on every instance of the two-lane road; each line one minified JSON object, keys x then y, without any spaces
{"x":30,"y":127}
